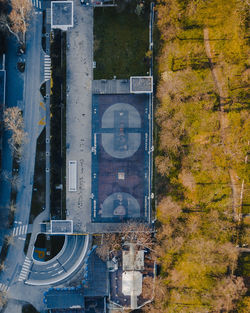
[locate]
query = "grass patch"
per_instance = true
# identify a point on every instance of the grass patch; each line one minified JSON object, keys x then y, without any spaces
{"x":38,"y":193}
{"x":58,"y":125}
{"x":26,"y":244}
{"x":121,"y":41}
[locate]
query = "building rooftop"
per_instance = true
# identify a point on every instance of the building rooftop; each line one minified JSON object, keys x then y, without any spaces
{"x":61,"y":227}
{"x":61,"y":14}
{"x":131,"y":262}
{"x":64,"y":299}
{"x":141,"y":84}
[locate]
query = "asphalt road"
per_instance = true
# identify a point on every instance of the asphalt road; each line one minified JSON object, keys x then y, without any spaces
{"x":32,"y":115}
{"x":14,"y":81}
{"x":63,"y":265}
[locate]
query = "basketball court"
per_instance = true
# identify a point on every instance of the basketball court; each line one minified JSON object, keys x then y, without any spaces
{"x":120,"y":158}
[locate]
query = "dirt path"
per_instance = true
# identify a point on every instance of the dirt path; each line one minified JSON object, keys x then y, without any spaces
{"x":223,"y":95}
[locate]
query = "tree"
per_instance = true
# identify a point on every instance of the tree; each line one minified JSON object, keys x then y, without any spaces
{"x":9,"y":240}
{"x":13,"y":121}
{"x":136,"y":233}
{"x":3,"y":299}
{"x":148,"y":287}
{"x":110,"y":242}
{"x":17,"y":21}
{"x":227,"y":292}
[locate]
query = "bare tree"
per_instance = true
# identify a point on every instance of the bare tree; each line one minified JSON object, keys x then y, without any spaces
{"x":5,"y":26}
{"x":3,"y":299}
{"x":15,"y":182}
{"x":138,"y":233}
{"x":227,"y":292}
{"x":110,"y":242}
{"x":2,"y":267}
{"x":19,"y":16}
{"x":132,"y":232}
{"x":17,"y":21}
{"x":12,"y":207}
{"x":148,"y":287}
{"x":13,"y":121}
{"x":9,"y":240}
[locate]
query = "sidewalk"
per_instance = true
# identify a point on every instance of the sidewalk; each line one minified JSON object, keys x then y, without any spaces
{"x":79,"y":108}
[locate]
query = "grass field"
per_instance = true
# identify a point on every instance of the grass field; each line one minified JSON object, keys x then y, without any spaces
{"x":38,"y":194}
{"x":120,"y":41}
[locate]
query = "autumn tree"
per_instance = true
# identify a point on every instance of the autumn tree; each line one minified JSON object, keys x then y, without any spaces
{"x":136,"y":233}
{"x":110,"y":242}
{"x":13,"y":121}
{"x":17,"y":21}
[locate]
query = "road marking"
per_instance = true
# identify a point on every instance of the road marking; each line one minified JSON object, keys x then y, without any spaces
{"x":20,"y":230}
{"x":54,"y":265}
{"x":3,"y":287}
{"x":42,"y":105}
{"x":21,"y":238}
{"x":25,"y":269}
{"x":42,"y":121}
{"x":47,"y":67}
{"x":60,"y":272}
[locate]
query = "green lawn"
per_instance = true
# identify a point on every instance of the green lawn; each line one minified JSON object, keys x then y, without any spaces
{"x":120,"y":42}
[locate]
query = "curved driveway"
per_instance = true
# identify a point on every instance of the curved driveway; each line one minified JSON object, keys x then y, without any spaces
{"x":61,"y":266}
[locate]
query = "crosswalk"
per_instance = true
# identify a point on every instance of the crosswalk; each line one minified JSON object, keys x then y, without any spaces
{"x":4,"y":288}
{"x":47,"y":65}
{"x":20,"y":230}
{"x":25,"y":269}
{"x":36,"y":3}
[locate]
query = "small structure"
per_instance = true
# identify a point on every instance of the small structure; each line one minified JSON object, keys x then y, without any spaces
{"x":141,"y":84}
{"x":98,"y":3}
{"x":61,"y":14}
{"x":72,"y":175}
{"x":57,"y":227}
{"x":127,"y":281}
{"x":61,"y":227}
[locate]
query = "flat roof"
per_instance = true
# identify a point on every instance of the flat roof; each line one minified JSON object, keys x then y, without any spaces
{"x":72,"y":175}
{"x":64,"y":299}
{"x":131,"y":262}
{"x":61,"y":226}
{"x":141,"y":84}
{"x":62,"y":14}
{"x":132,"y":283}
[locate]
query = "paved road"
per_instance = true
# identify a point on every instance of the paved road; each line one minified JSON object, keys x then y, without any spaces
{"x":14,"y":81}
{"x":32,"y":114}
{"x":66,"y":263}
